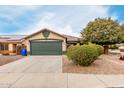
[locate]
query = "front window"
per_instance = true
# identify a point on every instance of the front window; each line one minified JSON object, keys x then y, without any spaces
{"x":3,"y":46}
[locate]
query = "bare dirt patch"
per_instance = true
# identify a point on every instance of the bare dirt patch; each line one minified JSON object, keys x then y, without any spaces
{"x":7,"y":59}
{"x":105,"y":64}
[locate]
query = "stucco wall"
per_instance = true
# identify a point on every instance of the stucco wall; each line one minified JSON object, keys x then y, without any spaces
{"x":10,"y":47}
{"x":40,"y":36}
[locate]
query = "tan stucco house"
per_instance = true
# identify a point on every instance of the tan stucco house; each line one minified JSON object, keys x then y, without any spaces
{"x":44,"y":41}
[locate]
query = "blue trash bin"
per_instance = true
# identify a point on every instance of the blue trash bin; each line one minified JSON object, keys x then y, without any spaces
{"x":23,"y":52}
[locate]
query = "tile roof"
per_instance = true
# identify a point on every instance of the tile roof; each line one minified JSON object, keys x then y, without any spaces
{"x":18,"y":37}
{"x":72,"y":38}
{"x":8,"y":38}
{"x":14,"y":37}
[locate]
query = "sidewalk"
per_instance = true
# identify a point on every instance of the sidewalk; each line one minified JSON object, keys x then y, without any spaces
{"x":59,"y":80}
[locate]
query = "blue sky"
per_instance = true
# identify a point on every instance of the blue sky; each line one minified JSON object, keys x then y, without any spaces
{"x":62,"y":19}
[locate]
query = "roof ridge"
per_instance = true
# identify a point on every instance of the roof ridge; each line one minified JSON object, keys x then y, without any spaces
{"x":44,"y":29}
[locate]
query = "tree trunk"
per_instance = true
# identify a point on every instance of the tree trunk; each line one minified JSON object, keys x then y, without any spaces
{"x":106,"y":48}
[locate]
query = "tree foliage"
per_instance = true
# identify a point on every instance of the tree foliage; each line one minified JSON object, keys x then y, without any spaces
{"x":102,"y":31}
{"x":122,"y":34}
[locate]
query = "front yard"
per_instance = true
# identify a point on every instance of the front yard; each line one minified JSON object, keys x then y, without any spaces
{"x":7,"y":59}
{"x":105,"y":64}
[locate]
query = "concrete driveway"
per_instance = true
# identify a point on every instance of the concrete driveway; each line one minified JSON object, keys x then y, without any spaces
{"x":34,"y":64}
{"x":60,"y":80}
{"x":46,"y":72}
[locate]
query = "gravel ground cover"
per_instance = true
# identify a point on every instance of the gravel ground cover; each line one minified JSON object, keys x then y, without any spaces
{"x":7,"y":59}
{"x":105,"y":64}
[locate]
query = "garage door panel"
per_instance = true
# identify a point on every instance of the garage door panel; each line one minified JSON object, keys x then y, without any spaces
{"x":46,"y":48}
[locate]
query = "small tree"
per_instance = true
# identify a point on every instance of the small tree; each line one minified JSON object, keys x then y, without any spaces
{"x":102,"y":31}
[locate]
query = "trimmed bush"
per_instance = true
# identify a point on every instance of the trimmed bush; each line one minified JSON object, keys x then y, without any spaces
{"x":83,"y":55}
{"x":72,"y":50}
{"x":100,"y":49}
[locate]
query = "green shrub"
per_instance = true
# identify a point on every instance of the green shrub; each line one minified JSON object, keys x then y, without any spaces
{"x":99,"y":48}
{"x":71,"y":51}
{"x":83,"y":55}
{"x":114,"y":46}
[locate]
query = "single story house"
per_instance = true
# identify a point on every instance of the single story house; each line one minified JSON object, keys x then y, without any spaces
{"x":43,"y":42}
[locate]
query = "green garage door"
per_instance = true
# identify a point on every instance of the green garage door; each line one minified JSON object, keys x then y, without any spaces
{"x":46,"y":47}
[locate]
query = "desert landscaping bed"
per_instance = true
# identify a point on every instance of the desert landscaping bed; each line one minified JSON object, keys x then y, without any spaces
{"x":105,"y":64}
{"x":7,"y":59}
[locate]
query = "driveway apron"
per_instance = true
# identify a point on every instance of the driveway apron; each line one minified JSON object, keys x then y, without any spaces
{"x":34,"y":64}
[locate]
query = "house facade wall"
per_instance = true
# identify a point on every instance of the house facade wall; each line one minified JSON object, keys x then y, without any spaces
{"x":10,"y":47}
{"x":40,"y":36}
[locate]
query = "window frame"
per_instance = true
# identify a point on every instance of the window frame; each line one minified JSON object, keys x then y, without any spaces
{"x":4,"y":46}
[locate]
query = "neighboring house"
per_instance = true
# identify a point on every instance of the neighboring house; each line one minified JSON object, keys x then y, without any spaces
{"x":43,"y":42}
{"x":72,"y":40}
{"x":8,"y":44}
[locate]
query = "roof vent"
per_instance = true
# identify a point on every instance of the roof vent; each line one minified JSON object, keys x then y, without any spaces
{"x":45,"y":33}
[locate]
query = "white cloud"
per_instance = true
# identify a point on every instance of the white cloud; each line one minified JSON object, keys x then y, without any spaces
{"x":45,"y":23}
{"x":78,"y":16}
